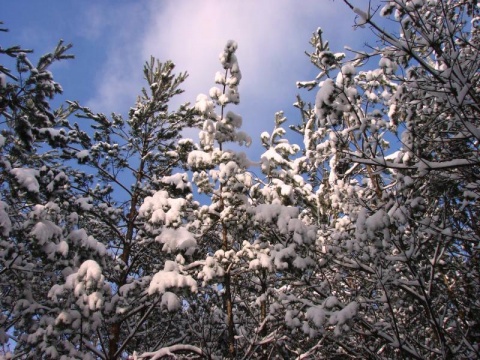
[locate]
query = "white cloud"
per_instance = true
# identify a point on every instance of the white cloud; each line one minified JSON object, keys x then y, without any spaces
{"x":267,"y":33}
{"x":272,"y":37}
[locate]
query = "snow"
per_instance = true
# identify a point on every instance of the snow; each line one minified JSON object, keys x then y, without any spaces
{"x":171,"y":302}
{"x":177,"y":239}
{"x":388,"y":66}
{"x":307,"y":261}
{"x":80,"y":238}
{"x":291,"y":320}
{"x":263,"y":261}
{"x":226,"y":171}
{"x":62,"y":248}
{"x":276,"y":213}
{"x":227,"y":57}
{"x":215,"y":93}
{"x":220,"y":78}
{"x":317,"y":315}
{"x":204,"y":105}
{"x":234,"y":119}
{"x":234,"y":81}
{"x":270,"y":159}
{"x":178,"y":180}
{"x":342,"y":316}
{"x":91,"y":273}
{"x":325,"y":93}
{"x":331,"y":302}
{"x":198,"y":158}
{"x":211,"y":270}
{"x":84,"y":203}
{"x":280,"y":254}
{"x":363,"y":15}
{"x":169,"y":352}
{"x":65,"y":317}
{"x":348,"y":69}
{"x":242,"y":138}
{"x":164,"y":280}
{"x":223,"y":99}
{"x":162,"y":209}
{"x":87,"y":284}
{"x":376,"y":222}
{"x":54,"y":133}
{"x":344,"y":77}
{"x":45,"y":231}
{"x":5,"y":222}
{"x":303,"y":263}
{"x":82,"y":155}
{"x":27,"y":178}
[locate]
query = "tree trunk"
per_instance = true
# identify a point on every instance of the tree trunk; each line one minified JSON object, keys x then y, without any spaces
{"x":114,"y":339}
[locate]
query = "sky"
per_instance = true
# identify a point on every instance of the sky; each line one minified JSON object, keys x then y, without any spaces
{"x":112,"y":39}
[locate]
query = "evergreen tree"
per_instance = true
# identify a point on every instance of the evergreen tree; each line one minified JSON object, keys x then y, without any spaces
{"x":362,"y":242}
{"x":397,"y":236}
{"x":42,"y":243}
{"x":77,"y":258}
{"x":220,"y":226}
{"x":143,"y":150}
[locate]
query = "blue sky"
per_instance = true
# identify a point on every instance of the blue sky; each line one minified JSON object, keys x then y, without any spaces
{"x":113,"y":39}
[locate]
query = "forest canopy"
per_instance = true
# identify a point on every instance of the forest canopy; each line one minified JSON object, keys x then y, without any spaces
{"x":120,"y":238}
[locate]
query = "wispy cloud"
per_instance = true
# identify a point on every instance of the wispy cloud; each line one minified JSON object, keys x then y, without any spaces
{"x":272,"y":36}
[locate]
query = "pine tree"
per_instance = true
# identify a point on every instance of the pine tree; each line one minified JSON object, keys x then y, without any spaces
{"x":396,"y":230}
{"x":221,"y":174}
{"x":41,"y":242}
{"x":78,"y":260}
{"x":143,"y":150}
{"x":362,"y":242}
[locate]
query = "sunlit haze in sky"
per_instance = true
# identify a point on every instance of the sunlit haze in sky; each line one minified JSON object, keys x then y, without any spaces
{"x":113,"y":39}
